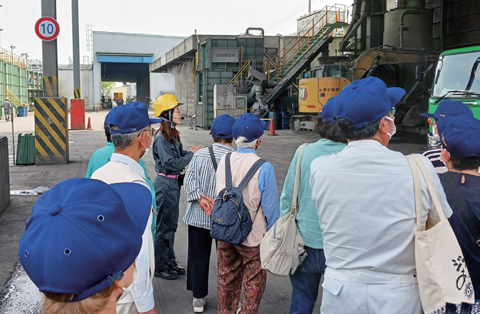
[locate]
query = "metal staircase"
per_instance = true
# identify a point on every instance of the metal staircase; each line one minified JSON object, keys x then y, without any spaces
{"x":301,"y":58}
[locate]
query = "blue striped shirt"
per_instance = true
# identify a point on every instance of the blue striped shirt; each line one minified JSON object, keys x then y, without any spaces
{"x":200,"y":180}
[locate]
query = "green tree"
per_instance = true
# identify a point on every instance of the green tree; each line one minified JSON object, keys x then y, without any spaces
{"x":107,"y":86}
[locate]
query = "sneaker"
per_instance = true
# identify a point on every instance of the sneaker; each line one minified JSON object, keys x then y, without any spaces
{"x":166,"y":274}
{"x":174,"y":266}
{"x":198,"y":305}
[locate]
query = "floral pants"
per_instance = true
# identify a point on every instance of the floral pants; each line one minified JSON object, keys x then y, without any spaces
{"x":239,"y":264}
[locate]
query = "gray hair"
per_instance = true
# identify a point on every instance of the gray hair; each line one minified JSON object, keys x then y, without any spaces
{"x":240,"y":141}
{"x":122,"y":141}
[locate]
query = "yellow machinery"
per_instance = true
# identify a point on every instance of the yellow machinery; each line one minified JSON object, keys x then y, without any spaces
{"x":314,"y":92}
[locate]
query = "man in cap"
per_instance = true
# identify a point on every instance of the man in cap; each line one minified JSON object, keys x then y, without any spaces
{"x":81,"y":242}
{"x":446,"y":110}
{"x":306,"y":279}
{"x":364,"y":198}
{"x":237,"y":263}
{"x":132,"y":135}
{"x":102,"y":156}
{"x":7,"y":107}
{"x":200,"y":189}
{"x":461,"y":152}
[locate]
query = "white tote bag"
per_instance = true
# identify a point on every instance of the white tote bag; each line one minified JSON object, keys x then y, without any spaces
{"x":282,"y":248}
{"x":441,"y":271}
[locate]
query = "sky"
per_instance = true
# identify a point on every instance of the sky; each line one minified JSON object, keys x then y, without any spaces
{"x":158,"y":17}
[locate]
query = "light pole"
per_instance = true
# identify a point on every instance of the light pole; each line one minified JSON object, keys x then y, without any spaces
{"x":11,"y":48}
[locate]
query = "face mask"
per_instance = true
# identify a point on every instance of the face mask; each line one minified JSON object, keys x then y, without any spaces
{"x":394,"y":128}
{"x":126,"y":290}
{"x":147,"y":149}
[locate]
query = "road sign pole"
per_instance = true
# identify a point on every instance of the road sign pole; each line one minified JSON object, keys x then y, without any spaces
{"x":76,"y":51}
{"x":49,"y":54}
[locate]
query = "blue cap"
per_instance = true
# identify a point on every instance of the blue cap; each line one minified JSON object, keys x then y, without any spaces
{"x":83,"y":234}
{"x":249,"y":126}
{"x":447,"y":108}
{"x":366,"y":101}
{"x":130,"y":118}
{"x":222,"y":126}
{"x":106,"y":123}
{"x":461,"y":138}
{"x":328,"y":112}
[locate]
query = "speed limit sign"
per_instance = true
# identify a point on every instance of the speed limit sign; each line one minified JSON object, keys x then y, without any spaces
{"x":47,"y":28}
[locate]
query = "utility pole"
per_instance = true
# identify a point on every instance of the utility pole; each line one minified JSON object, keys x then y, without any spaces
{"x":76,"y":51}
{"x":309,"y":6}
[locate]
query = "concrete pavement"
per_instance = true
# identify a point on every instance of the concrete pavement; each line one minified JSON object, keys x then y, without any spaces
{"x":171,"y":296}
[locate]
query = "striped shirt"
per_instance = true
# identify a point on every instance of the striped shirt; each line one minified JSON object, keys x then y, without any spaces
{"x":434,"y":156}
{"x":200,"y":180}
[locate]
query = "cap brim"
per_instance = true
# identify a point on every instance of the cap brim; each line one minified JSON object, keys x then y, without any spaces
{"x":155,"y":120}
{"x":138,"y":201}
{"x":427,"y":115}
{"x":263,"y":123}
{"x":395,"y":94}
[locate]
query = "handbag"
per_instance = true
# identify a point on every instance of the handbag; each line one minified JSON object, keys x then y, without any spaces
{"x":282,"y":248}
{"x":441,"y":271}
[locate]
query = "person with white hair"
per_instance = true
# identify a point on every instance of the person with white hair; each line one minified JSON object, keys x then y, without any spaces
{"x":241,"y":263}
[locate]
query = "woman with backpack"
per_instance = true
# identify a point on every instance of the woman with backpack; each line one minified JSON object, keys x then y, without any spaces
{"x":170,"y":159}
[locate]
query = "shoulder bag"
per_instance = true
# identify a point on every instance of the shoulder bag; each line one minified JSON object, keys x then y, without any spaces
{"x":441,"y":271}
{"x":282,"y":248}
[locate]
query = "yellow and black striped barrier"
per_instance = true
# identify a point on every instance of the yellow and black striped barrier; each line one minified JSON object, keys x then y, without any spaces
{"x":50,"y":86}
{"x":77,"y":93}
{"x":51,"y":131}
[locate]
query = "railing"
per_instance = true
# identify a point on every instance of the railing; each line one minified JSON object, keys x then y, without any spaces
{"x":13,"y":98}
{"x":319,"y":24}
{"x":241,"y":75}
{"x":8,"y":56}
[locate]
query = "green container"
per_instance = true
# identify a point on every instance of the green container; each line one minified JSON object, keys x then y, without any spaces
{"x":26,"y":149}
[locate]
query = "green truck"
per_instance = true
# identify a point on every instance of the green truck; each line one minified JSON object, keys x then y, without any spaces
{"x":457,"y":77}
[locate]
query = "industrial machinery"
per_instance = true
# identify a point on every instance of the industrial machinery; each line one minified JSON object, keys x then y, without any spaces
{"x":327,"y":81}
{"x":226,"y":102}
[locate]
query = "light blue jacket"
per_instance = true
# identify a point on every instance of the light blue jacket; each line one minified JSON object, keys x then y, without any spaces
{"x":307,"y":218}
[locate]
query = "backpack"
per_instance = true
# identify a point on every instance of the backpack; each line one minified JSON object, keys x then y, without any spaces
{"x":231,"y":222}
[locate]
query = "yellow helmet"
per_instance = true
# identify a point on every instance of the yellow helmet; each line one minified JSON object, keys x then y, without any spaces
{"x":165,"y":102}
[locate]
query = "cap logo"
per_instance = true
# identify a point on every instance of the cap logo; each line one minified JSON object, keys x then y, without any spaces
{"x":442,"y":115}
{"x":443,"y":140}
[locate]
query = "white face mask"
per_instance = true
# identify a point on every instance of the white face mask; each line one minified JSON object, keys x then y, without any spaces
{"x":147,"y":149}
{"x":394,"y":127}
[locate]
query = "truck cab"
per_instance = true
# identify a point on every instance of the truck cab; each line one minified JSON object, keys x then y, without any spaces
{"x":457,"y":77}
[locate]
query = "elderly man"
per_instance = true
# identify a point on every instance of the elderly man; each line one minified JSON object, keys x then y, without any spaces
{"x":364,"y":198}
{"x":241,"y":263}
{"x":102,"y":156}
{"x":131,"y":135}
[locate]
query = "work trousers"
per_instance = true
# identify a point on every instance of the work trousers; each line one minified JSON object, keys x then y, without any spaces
{"x":167,"y":196}
{"x":237,"y":264}
{"x":198,"y":265}
{"x":306,"y":281}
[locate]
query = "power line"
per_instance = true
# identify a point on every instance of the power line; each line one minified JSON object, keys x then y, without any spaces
{"x":288,"y":16}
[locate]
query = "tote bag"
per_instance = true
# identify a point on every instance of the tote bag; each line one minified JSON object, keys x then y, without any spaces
{"x":441,"y":271}
{"x":282,"y":248}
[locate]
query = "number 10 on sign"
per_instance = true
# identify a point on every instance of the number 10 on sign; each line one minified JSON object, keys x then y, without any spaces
{"x":47,"y":28}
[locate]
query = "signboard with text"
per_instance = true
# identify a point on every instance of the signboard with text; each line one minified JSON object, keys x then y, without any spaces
{"x":225,"y":55}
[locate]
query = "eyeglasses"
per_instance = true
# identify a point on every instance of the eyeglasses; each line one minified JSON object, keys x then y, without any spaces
{"x":152,"y":132}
